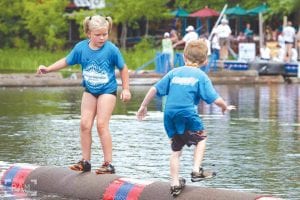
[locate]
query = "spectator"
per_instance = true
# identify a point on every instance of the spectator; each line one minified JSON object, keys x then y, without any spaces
{"x":174,"y":36}
{"x":265,"y":53}
{"x":248,"y":33}
{"x":224,"y":31}
{"x":241,"y":37}
{"x":215,"y":51}
{"x":204,"y":38}
{"x":298,"y":43}
{"x":281,"y":56}
{"x":294,"y":56}
{"x":289,"y":34}
{"x":167,"y":47}
{"x":280,"y":41}
{"x":189,"y":36}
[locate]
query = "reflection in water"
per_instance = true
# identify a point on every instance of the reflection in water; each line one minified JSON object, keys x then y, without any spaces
{"x":255,"y":148}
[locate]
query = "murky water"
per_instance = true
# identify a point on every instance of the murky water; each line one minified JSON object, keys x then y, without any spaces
{"x":255,"y":148}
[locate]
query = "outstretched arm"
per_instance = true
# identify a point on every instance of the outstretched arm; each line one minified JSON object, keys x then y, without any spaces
{"x":222,"y":104}
{"x":178,"y":43}
{"x":125,"y":94}
{"x":42,"y":69}
{"x":143,"y":108}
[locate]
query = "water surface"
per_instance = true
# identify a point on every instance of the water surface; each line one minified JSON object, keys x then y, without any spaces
{"x":255,"y":148}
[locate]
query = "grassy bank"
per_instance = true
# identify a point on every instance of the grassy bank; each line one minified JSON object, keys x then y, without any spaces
{"x":27,"y":61}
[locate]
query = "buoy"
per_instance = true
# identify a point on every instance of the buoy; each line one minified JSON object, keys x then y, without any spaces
{"x":30,"y":179}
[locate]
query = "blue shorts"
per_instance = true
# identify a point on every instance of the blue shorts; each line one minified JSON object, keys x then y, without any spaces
{"x":97,"y":95}
{"x":188,"y":138}
{"x":182,"y":121}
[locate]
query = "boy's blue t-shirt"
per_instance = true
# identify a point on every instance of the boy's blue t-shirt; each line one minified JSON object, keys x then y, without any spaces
{"x":98,"y":66}
{"x":185,"y":87}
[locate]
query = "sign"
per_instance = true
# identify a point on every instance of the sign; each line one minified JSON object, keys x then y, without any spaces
{"x":247,"y":51}
{"x":91,"y":4}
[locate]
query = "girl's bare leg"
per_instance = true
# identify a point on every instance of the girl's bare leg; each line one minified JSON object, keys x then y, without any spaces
{"x":105,"y":107}
{"x":88,"y":112}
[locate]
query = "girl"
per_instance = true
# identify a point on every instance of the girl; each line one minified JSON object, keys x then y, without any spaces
{"x":98,"y":58}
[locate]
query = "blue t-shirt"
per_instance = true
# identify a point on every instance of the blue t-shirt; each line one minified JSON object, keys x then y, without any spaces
{"x":98,"y":66}
{"x":185,"y":87}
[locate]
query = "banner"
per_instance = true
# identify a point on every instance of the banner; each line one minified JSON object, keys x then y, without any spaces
{"x":91,"y":4}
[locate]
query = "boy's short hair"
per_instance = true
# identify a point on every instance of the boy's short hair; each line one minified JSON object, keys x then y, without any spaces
{"x":196,"y":51}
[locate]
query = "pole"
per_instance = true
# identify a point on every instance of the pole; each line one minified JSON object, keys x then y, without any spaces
{"x":217,"y":22}
{"x":261,"y":35}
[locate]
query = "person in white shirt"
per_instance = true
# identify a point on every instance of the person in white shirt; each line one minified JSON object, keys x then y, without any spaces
{"x":167,"y":47}
{"x":189,"y":36}
{"x":298,"y":44}
{"x":215,"y":51}
{"x":280,"y":41}
{"x":294,"y":57}
{"x":289,"y":34}
{"x":204,"y":38}
{"x":224,"y":31}
{"x":265,"y":53}
{"x":282,"y":55}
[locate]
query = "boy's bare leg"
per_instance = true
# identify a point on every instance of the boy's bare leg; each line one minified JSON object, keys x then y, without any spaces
{"x":174,"y":167}
{"x":199,"y":155}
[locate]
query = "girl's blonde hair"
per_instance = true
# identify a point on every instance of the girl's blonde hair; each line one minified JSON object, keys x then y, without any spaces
{"x":195,"y":53}
{"x":95,"y":22}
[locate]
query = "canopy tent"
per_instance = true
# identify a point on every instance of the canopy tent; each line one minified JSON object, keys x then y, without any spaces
{"x":237,"y":12}
{"x":204,"y":13}
{"x":181,"y":13}
{"x":259,"y":10}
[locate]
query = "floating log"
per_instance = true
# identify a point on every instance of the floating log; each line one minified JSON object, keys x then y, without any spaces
{"x":65,"y":182}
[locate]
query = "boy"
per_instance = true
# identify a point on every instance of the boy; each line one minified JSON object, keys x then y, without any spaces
{"x":185,"y":87}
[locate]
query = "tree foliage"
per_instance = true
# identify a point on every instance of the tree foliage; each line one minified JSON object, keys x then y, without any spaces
{"x":127,"y":12}
{"x":46,"y":22}
{"x":12,"y":33}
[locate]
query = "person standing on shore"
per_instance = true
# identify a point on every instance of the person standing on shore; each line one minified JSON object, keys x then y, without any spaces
{"x":185,"y":87}
{"x":248,"y":32}
{"x":224,"y":31}
{"x":189,"y":36}
{"x":167,"y":48}
{"x":98,"y":58}
{"x":289,"y":36}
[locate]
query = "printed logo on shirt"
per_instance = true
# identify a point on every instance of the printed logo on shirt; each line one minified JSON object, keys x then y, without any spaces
{"x":184,"y":81}
{"x":94,"y":76}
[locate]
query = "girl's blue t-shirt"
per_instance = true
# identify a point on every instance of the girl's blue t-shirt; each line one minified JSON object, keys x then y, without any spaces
{"x":185,"y":87}
{"x":98,"y":66}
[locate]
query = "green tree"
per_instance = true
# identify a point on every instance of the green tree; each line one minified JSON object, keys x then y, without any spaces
{"x":46,"y":22}
{"x":126,"y":12}
{"x":191,"y":5}
{"x":278,"y":7}
{"x":12,"y":31}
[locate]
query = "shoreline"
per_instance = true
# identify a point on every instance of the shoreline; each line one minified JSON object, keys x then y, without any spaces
{"x":142,"y":78}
